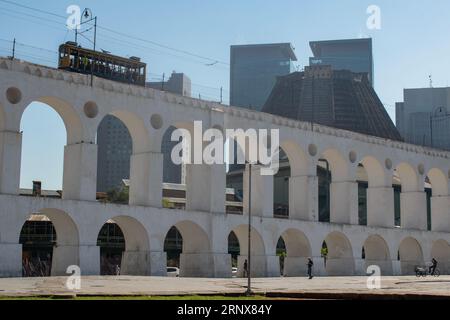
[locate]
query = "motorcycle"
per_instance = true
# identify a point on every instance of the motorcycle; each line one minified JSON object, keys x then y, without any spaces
{"x":424,"y":271}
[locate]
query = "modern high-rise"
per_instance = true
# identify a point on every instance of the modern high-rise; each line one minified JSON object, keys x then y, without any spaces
{"x":423,"y":117}
{"x":114,"y":151}
{"x":254,"y":69}
{"x":347,"y":54}
{"x":115,"y":144}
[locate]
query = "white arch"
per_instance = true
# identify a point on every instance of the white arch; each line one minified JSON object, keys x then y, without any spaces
{"x":298,"y":250}
{"x":297,"y":244}
{"x":258,"y":251}
{"x":298,"y":160}
{"x":408,"y":177}
{"x":135,"y":234}
{"x":340,"y":259}
{"x":67,"y":112}
{"x":66,"y":251}
{"x":195,"y":238}
{"x":338,"y":165}
{"x":375,"y":172}
{"x":135,"y":258}
{"x":196,"y":259}
{"x":377,"y":253}
{"x":411,"y":255}
{"x":441,"y":252}
{"x":257,"y":242}
{"x":137,"y":129}
{"x":439,"y":182}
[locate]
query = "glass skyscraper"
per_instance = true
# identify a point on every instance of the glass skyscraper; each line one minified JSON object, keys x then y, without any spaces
{"x":348,"y":54}
{"x":254,"y":69}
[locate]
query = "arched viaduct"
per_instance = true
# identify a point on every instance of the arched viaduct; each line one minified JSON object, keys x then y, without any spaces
{"x":205,"y":225}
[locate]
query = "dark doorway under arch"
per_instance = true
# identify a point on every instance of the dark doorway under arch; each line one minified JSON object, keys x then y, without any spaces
{"x":112,"y":245}
{"x":37,"y":237}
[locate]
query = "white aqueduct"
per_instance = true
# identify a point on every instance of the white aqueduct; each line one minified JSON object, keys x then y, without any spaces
{"x":204,"y":225}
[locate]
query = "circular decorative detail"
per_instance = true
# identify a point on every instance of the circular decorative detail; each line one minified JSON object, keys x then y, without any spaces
{"x":352,"y":156}
{"x":90,"y":109}
{"x":312,"y":149}
{"x":421,"y":169}
{"x":388,"y":164}
{"x":156,"y":121}
{"x":13,"y":95}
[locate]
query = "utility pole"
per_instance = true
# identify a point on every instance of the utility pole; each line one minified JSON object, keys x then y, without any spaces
{"x":162,"y":83}
{"x":431,"y":130}
{"x":221,"y":95}
{"x":95,"y":42}
{"x":14,"y":49}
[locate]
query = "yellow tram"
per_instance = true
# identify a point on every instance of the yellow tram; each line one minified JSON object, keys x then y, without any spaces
{"x":100,"y":64}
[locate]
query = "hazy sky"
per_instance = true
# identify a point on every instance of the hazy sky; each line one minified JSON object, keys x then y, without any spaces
{"x":411,"y":44}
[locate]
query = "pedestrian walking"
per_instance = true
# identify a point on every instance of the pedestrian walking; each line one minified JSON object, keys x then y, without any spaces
{"x":310,"y":265}
{"x":245,"y":268}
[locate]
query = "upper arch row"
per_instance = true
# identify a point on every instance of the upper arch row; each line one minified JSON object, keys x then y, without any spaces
{"x":82,"y":113}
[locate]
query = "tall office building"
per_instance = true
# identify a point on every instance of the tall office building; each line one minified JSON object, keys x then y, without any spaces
{"x":349,"y":54}
{"x":424,"y":117}
{"x":114,"y":151}
{"x":254,"y":69}
{"x":115,"y":144}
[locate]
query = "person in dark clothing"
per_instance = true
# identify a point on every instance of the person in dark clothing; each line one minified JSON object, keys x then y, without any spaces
{"x":310,"y":265}
{"x":245,"y":268}
{"x":433,"y":266}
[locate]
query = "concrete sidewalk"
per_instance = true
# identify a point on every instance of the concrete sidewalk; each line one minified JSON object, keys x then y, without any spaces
{"x":325,"y":287}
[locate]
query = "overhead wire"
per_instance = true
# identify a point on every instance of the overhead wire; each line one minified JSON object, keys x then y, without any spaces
{"x":193,"y":57}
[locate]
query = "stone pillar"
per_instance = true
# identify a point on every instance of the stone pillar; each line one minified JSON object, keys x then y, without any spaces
{"x":158,"y":263}
{"x":80,"y":172}
{"x":440,"y":213}
{"x":360,"y":267}
{"x":89,"y":259}
{"x":135,"y":263}
{"x":205,"y":187}
{"x":10,"y":157}
{"x":385,"y":266}
{"x":11,"y":260}
{"x":396,"y":268}
{"x":258,"y":266}
{"x":146,"y":176}
{"x":205,"y":265}
{"x":304,"y":198}
{"x":344,"y":202}
{"x":273,"y":266}
{"x":63,"y":257}
{"x":319,"y":268}
{"x":295,"y":266}
{"x":413,"y":210}
{"x":380,"y":207}
{"x":262,"y":193}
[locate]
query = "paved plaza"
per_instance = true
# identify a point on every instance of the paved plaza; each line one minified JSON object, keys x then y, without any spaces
{"x":320,"y":287}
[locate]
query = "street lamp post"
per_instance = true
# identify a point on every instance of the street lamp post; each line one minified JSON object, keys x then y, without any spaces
{"x":88,"y":16}
{"x":249,"y":290}
{"x":249,"y":258}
